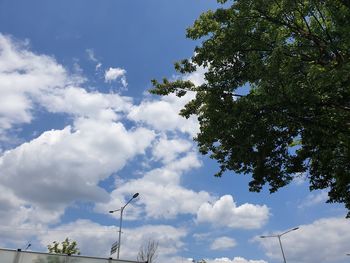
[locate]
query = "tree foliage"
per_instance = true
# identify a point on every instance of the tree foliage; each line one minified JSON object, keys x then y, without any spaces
{"x":290,"y":61}
{"x":148,"y":252}
{"x":66,"y":247}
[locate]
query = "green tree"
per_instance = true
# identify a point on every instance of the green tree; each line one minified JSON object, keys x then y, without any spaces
{"x":276,"y":102}
{"x":66,"y":247}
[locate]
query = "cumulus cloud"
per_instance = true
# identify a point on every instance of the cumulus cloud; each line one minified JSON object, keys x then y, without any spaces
{"x":28,"y":79}
{"x":95,"y":239}
{"x":67,"y":165}
{"x":226,"y":213}
{"x":324,"y":240}
{"x":163,"y":114}
{"x":223,"y":243}
{"x":112,"y":74}
{"x":23,"y":76}
{"x":160,"y":187}
{"x":78,"y":102}
{"x":168,"y":150}
{"x":18,"y":220}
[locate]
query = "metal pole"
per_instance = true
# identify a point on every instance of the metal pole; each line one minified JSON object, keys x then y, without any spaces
{"x":120,"y":230}
{"x":120,"y":221}
{"x":279,"y":239}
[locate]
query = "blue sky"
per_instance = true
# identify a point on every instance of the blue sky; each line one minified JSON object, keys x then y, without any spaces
{"x":80,"y":134}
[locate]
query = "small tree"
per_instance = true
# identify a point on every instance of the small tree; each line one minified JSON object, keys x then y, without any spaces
{"x":67,"y":247}
{"x":148,"y":252}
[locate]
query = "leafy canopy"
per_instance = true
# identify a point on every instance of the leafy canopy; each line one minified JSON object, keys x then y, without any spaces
{"x":66,"y":247}
{"x":291,"y":60}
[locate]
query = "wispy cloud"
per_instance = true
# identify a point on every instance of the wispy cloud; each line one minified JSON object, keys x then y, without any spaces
{"x":314,"y":199}
{"x":223,"y":243}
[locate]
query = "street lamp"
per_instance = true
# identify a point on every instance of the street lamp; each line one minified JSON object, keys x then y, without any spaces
{"x":279,"y":239}
{"x":121,"y":219}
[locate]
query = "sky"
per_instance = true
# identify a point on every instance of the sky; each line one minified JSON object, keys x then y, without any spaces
{"x":80,"y":134}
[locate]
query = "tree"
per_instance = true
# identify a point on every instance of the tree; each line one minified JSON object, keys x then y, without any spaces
{"x":148,"y":252}
{"x":276,"y":102}
{"x":67,"y":247}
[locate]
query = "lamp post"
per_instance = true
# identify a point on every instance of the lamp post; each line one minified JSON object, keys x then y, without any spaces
{"x":279,"y":239}
{"x":121,"y":219}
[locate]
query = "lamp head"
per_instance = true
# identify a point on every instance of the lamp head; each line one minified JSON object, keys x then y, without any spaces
{"x":135,"y":195}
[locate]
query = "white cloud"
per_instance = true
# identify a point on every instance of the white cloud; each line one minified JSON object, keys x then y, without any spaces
{"x":226,"y":213}
{"x":168,"y":237}
{"x":28,"y":79}
{"x":157,"y":200}
{"x":112,"y":74}
{"x":168,"y":150}
{"x":234,"y":260}
{"x":223,"y":243}
{"x":163,"y":114}
{"x":23,"y":76}
{"x":314,"y":199}
{"x":197,"y":77}
{"x":80,"y":103}
{"x":158,"y":188}
{"x":95,"y":239}
{"x":324,"y":240}
{"x":92,"y":238}
{"x":21,"y":221}
{"x":67,"y":165}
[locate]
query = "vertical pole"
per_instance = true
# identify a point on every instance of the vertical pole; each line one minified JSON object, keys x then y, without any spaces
{"x":120,"y":230}
{"x":279,"y":239}
{"x":17,"y":256}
